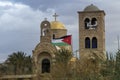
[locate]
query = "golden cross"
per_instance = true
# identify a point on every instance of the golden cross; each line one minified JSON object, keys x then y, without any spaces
{"x":55,"y":15}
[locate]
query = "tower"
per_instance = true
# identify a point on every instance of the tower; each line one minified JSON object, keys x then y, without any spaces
{"x":91,"y":32}
{"x":43,"y":54}
{"x":45,"y":31}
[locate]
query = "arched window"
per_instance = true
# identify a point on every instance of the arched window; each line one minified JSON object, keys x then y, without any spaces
{"x":94,"y":42}
{"x":94,"y":22}
{"x":87,"y":22}
{"x":87,"y":42}
{"x":45,"y":66}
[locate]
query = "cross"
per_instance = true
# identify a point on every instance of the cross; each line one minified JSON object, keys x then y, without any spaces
{"x":45,"y":19}
{"x":55,"y":15}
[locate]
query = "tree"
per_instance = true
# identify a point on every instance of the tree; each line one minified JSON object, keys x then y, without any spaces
{"x":89,"y":67}
{"x":19,"y":63}
{"x":28,"y":64}
{"x":78,"y":70}
{"x":61,"y":68}
{"x":3,"y":69}
{"x":117,"y":66}
{"x":108,"y":67}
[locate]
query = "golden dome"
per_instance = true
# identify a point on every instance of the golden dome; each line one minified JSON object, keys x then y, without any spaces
{"x":57,"y":25}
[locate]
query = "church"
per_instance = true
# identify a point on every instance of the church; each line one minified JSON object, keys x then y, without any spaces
{"x":91,"y":41}
{"x":44,"y":52}
{"x":91,"y":38}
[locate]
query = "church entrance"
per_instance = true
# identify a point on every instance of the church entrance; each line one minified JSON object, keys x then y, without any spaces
{"x":45,"y":66}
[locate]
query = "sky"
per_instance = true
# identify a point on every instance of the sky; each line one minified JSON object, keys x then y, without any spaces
{"x":20,"y":22}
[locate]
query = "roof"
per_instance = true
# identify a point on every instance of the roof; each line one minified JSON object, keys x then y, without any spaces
{"x":57,"y":25}
{"x":91,"y":8}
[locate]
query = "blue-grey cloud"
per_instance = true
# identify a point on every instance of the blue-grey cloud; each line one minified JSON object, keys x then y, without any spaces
{"x":19,"y":28}
{"x":20,"y":19}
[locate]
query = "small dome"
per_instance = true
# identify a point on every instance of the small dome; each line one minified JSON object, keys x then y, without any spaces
{"x":57,"y":25}
{"x":91,"y":8}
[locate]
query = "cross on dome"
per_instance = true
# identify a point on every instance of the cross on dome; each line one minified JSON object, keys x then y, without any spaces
{"x":55,"y":15}
{"x":45,"y":19}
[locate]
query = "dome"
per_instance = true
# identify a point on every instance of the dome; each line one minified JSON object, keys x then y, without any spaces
{"x":91,"y":8}
{"x":57,"y":25}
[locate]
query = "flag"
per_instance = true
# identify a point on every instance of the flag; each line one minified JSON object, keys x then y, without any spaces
{"x":61,"y":37}
{"x":67,"y":39}
{"x":62,"y":42}
{"x":58,"y":45}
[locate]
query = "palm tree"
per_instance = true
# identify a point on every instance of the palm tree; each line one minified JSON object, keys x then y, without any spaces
{"x":28,"y":64}
{"x":61,"y":69}
{"x":3,"y":69}
{"x":18,"y":61}
{"x":63,"y":56}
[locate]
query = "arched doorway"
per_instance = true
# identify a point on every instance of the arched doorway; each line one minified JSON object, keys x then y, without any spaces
{"x":45,"y":66}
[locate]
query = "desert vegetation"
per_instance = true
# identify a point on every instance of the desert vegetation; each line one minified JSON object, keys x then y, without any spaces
{"x":64,"y":68}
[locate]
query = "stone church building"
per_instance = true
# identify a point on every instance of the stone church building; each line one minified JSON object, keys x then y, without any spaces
{"x":44,"y":52}
{"x":91,"y":38}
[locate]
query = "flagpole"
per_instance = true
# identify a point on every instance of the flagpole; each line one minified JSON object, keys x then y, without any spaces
{"x":72,"y":48}
{"x":72,"y":45}
{"x":118,"y":42}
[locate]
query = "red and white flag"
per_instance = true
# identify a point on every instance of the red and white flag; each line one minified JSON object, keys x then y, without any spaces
{"x":67,"y":39}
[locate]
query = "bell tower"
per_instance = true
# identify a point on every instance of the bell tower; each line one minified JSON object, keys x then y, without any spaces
{"x":45,"y":31}
{"x":91,"y":32}
{"x":44,"y":52}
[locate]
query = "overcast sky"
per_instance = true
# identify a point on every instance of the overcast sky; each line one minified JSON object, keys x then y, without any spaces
{"x":20,"y":22}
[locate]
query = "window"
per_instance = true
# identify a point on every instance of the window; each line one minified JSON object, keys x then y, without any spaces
{"x":94,"y":22}
{"x":94,"y":42}
{"x":87,"y":42}
{"x":87,"y":22}
{"x":45,"y":66}
{"x":53,"y":36}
